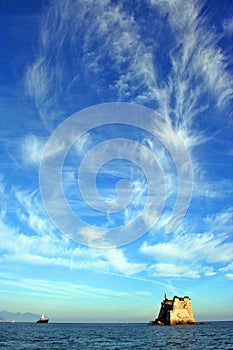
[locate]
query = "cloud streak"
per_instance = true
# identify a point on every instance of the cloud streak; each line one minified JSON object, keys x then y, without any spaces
{"x":44,"y":246}
{"x":113,"y":57}
{"x":112,"y":51}
{"x":32,"y":149}
{"x":186,"y":254}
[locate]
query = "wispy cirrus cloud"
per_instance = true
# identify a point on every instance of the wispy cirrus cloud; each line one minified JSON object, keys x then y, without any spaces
{"x":120,"y":60}
{"x":198,"y":63}
{"x":228,"y":270}
{"x":49,"y":250}
{"x":230,"y":276}
{"x":228,"y":25}
{"x":45,"y":246}
{"x":69,"y":290}
{"x":203,"y":253}
{"x":112,"y":55}
{"x":180,"y":271}
{"x":199,"y":247}
{"x":214,"y":189}
{"x":117,"y":55}
{"x":32,"y":149}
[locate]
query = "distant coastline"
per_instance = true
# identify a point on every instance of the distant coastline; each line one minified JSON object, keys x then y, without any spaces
{"x":7,"y":316}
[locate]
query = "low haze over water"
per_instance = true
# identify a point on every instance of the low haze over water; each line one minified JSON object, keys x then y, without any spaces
{"x":214,"y":335}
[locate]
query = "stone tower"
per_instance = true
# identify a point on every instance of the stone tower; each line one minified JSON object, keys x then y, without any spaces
{"x":175,"y":311}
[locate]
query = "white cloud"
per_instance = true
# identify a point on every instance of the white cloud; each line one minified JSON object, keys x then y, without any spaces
{"x":37,"y":86}
{"x":66,"y":289}
{"x":208,"y":271}
{"x":198,"y":67}
{"x":93,"y":235}
{"x":200,"y":247}
{"x":185,"y":252}
{"x":30,"y":211}
{"x":52,"y":250}
{"x":32,"y":149}
{"x":229,"y":276}
{"x":172,"y":270}
{"x":213,"y":189}
{"x":220,"y":222}
{"x":228,"y":26}
{"x":44,"y":246}
{"x":228,"y":267}
{"x":83,"y":144}
{"x":113,"y":45}
{"x":118,"y":261}
{"x":115,"y":53}
{"x":181,"y":270}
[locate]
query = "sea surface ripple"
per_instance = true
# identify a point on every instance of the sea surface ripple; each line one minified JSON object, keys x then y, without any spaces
{"x":58,"y":336}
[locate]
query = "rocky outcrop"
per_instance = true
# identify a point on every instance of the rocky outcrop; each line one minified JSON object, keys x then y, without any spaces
{"x":175,"y":311}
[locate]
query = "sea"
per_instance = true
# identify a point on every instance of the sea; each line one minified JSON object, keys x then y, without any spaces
{"x":65,"y":336}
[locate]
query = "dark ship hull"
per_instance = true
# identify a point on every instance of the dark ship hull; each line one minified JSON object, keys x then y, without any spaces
{"x":42,"y":321}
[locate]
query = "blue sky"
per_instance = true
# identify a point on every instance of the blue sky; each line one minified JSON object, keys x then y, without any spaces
{"x":61,"y":57}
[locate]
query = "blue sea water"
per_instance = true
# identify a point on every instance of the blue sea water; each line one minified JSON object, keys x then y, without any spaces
{"x":58,"y":336}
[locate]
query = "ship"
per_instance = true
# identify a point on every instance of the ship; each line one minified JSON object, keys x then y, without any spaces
{"x":43,"y":319}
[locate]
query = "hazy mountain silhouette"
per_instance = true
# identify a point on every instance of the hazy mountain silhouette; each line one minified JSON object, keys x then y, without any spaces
{"x":18,"y":316}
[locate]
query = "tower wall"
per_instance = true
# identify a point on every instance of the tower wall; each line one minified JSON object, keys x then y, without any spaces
{"x":175,"y":311}
{"x":181,"y":312}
